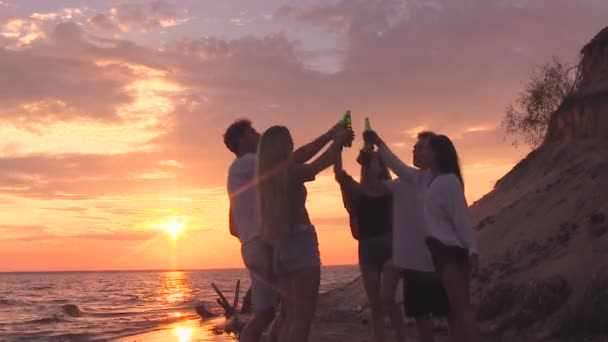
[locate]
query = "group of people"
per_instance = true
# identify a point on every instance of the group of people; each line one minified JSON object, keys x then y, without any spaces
{"x":415,"y":227}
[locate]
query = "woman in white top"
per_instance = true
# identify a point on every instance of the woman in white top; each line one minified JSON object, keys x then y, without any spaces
{"x":450,"y":236}
{"x":451,"y":239}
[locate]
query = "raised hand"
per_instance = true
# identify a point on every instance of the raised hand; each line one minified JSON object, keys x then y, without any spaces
{"x":334,"y":128}
{"x":342,"y":135}
{"x":364,"y":157}
{"x":371,"y":137}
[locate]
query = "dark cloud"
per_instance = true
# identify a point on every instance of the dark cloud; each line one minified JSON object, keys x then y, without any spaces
{"x":333,"y":18}
{"x":103,"y":23}
{"x":140,"y":17}
{"x":44,"y":84}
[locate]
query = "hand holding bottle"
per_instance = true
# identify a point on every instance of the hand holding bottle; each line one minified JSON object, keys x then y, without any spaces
{"x":343,"y":135}
{"x":371,"y":137}
{"x":367,"y":146}
{"x":346,"y":122}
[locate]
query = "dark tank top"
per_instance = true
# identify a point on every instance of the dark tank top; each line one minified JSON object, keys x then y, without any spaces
{"x":374,"y":215}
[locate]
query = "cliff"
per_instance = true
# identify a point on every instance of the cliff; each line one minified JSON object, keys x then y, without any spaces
{"x":543,"y":230}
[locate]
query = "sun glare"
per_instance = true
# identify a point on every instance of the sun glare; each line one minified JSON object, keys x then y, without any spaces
{"x":183,"y":334}
{"x":174,"y":227}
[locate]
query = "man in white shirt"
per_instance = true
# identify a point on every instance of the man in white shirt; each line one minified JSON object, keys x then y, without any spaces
{"x":242,"y":140}
{"x":424,"y":295}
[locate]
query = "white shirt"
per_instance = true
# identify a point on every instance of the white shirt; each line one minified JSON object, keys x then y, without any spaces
{"x":451,"y":226}
{"x":409,"y":227}
{"x":447,"y":213}
{"x":242,"y":194}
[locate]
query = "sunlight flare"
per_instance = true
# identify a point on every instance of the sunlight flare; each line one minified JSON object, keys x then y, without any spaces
{"x":174,"y":227}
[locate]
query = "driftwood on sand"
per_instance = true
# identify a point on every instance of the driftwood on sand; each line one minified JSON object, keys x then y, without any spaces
{"x":232,"y":324}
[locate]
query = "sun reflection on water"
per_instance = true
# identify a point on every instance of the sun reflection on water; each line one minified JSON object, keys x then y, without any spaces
{"x":183,"y":334}
{"x":175,"y":287}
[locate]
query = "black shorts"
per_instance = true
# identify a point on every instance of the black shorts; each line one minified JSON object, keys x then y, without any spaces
{"x":424,"y":295}
{"x":374,"y":252}
{"x":443,"y":254}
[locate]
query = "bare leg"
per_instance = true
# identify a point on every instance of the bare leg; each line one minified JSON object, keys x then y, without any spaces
{"x":283,"y":325}
{"x":372,"y":283}
{"x":424,"y":325}
{"x":390,"y":281}
{"x":456,"y":283}
{"x":279,"y":321}
{"x":303,"y":292}
{"x":454,"y":328}
{"x":255,"y":328}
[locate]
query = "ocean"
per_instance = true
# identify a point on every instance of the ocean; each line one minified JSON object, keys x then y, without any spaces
{"x":102,"y":306}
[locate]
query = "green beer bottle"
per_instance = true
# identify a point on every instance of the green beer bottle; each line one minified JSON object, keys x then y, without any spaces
{"x":367,"y":147}
{"x":348,"y":124}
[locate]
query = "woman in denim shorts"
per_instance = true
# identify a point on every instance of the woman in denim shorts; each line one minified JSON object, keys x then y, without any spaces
{"x":370,"y":208}
{"x":285,"y":223}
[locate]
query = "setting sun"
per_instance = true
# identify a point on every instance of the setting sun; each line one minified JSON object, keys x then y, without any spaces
{"x":174,"y":227}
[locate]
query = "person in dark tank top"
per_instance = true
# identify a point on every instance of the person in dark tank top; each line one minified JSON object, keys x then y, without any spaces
{"x":370,"y":209}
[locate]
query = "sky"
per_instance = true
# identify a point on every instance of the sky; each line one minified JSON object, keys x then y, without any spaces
{"x":112,"y":112}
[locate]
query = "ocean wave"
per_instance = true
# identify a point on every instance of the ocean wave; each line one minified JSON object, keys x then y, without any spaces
{"x":75,"y":308}
{"x":55,"y":318}
{"x":66,"y":313}
{"x":60,"y":301}
{"x":13,"y":302}
{"x":40,"y":288}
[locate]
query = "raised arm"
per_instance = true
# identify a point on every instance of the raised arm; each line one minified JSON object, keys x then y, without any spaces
{"x":306,"y":152}
{"x":348,"y":186}
{"x":402,"y":170}
{"x":308,"y":172}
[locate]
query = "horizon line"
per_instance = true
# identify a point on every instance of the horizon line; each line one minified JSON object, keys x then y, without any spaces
{"x":149,"y":270}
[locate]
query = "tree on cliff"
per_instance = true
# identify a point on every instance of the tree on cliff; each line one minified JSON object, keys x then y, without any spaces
{"x":528,"y":117}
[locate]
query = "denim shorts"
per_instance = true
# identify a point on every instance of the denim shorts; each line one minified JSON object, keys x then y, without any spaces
{"x":374,"y":252}
{"x":299,"y":250}
{"x":257,"y":257}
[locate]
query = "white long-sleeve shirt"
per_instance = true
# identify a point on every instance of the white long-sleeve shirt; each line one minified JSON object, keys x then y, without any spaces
{"x":409,"y":228}
{"x":409,"y":223}
{"x":447,"y":213}
{"x":444,"y":207}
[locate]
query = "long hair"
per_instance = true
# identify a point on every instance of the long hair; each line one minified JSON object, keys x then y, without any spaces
{"x":446,"y":157}
{"x":272,"y":174}
{"x":365,"y":158}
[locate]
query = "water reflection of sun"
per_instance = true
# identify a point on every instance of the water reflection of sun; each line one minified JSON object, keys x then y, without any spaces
{"x":183,"y":334}
{"x":175,"y":287}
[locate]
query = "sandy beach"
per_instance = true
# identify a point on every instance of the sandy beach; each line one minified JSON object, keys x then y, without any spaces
{"x":342,"y":315}
{"x":191,"y":330}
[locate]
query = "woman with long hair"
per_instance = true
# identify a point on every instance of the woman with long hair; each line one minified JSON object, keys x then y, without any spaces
{"x":281,"y":174}
{"x":370,"y":208}
{"x":449,"y":234}
{"x":451,"y":239}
